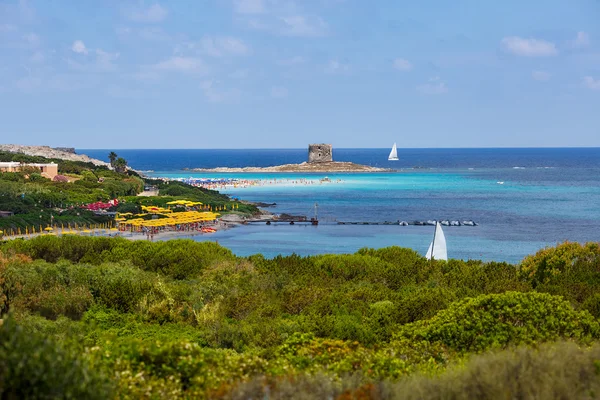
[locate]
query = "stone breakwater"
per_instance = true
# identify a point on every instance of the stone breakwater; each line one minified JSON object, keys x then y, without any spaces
{"x":334,"y":166}
{"x":49,"y":152}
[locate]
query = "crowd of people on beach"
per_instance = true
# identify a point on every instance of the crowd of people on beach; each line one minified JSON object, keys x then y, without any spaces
{"x":228,"y":183}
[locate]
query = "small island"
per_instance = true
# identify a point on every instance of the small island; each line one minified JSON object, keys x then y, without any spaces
{"x":320,"y":159}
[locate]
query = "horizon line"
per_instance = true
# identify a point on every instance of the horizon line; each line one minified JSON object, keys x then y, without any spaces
{"x":338,"y":148}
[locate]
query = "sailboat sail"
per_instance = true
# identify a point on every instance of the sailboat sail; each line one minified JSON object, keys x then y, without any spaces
{"x":393,"y":154}
{"x":437,"y":249}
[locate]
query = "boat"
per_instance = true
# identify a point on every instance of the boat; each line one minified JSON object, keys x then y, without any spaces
{"x":437,"y":249}
{"x":393,"y":154}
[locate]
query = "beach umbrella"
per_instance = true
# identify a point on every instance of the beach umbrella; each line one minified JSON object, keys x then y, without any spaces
{"x":49,"y":229}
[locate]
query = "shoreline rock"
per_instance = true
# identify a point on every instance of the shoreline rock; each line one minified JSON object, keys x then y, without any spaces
{"x":321,"y":167}
{"x":49,"y":152}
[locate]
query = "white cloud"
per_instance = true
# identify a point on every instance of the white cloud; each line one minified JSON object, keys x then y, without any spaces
{"x":7,"y":28}
{"x":70,"y":82}
{"x":336,"y":67}
{"x":279,"y":92}
{"x":75,"y":65}
{"x":239,"y":74}
{"x":122,"y":93}
{"x":146,"y":75}
{"x":292,"y":61}
{"x":434,"y":86}
{"x":79,"y":47}
{"x":223,"y":46}
{"x":215,"y":94}
{"x":402,"y":64}
{"x":37,"y":57}
{"x":154,"y":13}
{"x":28,"y":84}
{"x":249,"y":6}
{"x":26,"y":10}
{"x":541,"y":75}
{"x":105,"y":60}
{"x":32,"y":39}
{"x":529,"y":47}
{"x":182,"y":64}
{"x":591,"y":83}
{"x":582,"y":40}
{"x":301,"y":26}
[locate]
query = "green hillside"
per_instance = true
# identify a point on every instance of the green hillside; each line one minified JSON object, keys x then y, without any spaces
{"x":182,"y":319}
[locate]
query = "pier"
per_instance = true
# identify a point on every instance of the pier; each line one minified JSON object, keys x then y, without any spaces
{"x":314,"y":221}
{"x":414,"y":223}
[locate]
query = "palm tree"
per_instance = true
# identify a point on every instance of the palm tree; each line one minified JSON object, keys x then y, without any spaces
{"x":112,"y":156}
{"x":120,"y":165}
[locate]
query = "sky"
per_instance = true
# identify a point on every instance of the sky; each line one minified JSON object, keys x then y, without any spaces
{"x":285,"y":73}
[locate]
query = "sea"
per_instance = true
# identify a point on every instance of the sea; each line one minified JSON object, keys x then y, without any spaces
{"x":522,"y":199}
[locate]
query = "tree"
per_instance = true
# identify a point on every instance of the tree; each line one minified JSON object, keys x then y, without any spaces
{"x":112,"y":156}
{"x":120,"y":165}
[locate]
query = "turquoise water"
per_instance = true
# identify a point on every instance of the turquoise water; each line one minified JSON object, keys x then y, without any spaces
{"x":515,"y":218}
{"x":547,"y":196}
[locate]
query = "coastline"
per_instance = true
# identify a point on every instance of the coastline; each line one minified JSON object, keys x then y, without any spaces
{"x":318,"y":167}
{"x":52,"y":153}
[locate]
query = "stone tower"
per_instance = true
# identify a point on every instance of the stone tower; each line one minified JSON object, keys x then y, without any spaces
{"x":320,"y":153}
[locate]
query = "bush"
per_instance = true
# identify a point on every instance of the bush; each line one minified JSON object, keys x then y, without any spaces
{"x":554,"y":371}
{"x":32,"y":366}
{"x":498,"y":320}
{"x":522,"y":373}
{"x":550,"y":262}
{"x":51,"y":303}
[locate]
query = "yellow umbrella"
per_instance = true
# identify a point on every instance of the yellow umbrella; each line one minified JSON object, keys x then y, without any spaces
{"x":49,"y":229}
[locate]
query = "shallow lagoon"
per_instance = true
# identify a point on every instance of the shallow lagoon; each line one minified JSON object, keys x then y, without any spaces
{"x":515,"y":218}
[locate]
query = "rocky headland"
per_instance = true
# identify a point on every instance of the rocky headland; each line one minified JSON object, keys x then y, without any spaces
{"x":323,"y":167}
{"x":60,"y":153}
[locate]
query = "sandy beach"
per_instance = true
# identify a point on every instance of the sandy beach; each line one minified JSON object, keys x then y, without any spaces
{"x":161,"y":235}
{"x":324,"y":167}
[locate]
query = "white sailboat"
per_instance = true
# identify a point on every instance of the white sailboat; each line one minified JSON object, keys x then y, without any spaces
{"x":393,"y":154}
{"x":437,"y":248}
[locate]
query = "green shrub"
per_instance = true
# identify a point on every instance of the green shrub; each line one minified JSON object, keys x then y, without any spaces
{"x":51,"y":303}
{"x":499,"y":320}
{"x":555,"y":371}
{"x":550,"y":262}
{"x":120,"y":287}
{"x":32,"y":366}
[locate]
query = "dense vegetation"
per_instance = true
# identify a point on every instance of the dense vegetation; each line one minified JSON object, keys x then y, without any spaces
{"x":183,"y":319}
{"x":38,"y":202}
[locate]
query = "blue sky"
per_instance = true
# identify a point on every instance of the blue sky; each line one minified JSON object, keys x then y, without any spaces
{"x":284,"y":73}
